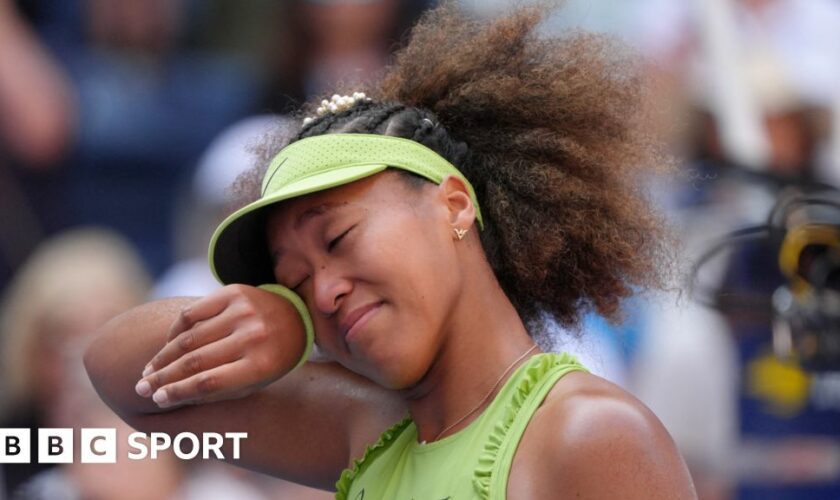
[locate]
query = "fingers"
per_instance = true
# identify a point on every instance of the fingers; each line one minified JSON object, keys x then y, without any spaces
{"x":205,"y":386}
{"x":236,"y":323}
{"x":200,"y":335}
{"x":199,"y":310}
{"x":202,"y":359}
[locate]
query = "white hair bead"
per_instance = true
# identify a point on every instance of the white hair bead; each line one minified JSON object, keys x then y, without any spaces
{"x":337,"y":104}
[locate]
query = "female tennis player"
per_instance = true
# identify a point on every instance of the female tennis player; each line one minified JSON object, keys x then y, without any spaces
{"x":423,"y":233}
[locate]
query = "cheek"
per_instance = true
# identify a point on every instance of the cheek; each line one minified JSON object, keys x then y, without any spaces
{"x":416,"y":272}
{"x":413,"y":262}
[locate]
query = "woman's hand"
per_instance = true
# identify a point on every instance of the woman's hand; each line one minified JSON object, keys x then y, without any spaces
{"x":225,"y":346}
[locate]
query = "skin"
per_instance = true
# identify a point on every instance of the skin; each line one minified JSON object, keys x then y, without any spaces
{"x":37,"y":110}
{"x":439,"y":335}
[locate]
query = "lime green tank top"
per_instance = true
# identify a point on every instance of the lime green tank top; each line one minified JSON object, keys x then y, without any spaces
{"x":473,"y":463}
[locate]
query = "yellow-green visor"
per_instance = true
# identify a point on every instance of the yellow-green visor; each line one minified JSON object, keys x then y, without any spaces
{"x":238,"y":250}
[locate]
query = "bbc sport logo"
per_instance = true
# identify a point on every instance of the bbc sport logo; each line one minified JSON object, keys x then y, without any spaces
{"x":99,"y":445}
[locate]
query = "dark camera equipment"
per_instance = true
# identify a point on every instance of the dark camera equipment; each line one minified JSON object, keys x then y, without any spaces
{"x":803,"y":230}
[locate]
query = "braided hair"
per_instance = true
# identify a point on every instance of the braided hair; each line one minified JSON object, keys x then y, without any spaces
{"x":551,"y":134}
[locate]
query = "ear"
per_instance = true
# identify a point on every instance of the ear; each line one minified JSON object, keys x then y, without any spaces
{"x":456,"y":197}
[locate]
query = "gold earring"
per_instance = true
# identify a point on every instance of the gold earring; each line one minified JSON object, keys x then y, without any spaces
{"x":460,"y":233}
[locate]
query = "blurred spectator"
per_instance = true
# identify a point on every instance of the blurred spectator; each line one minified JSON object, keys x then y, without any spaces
{"x":702,"y":47}
{"x":127,"y":100}
{"x":328,"y":42}
{"x":68,"y":288}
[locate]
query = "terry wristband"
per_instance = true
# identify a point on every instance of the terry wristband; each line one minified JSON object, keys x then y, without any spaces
{"x":296,"y":301}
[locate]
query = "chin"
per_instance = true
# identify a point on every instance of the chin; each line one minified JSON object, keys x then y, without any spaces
{"x":399,"y":374}
{"x":387,"y":371}
{"x":388,"y":360}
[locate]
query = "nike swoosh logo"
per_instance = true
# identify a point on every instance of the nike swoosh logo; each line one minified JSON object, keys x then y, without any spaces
{"x":268,"y":182}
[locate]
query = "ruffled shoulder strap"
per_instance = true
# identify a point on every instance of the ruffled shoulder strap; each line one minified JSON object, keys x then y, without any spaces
{"x":342,"y":486}
{"x":522,"y":398}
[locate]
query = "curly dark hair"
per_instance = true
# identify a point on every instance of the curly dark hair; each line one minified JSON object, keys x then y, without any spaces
{"x":550,"y":132}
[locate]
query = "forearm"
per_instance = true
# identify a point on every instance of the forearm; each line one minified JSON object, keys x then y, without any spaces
{"x":122,"y":348}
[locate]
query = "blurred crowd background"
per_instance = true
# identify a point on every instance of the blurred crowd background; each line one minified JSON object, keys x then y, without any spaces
{"x":123,"y":122}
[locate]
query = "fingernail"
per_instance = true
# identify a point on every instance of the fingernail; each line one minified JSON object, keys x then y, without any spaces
{"x":143,"y":388}
{"x":160,"y":397}
{"x":148,"y":370}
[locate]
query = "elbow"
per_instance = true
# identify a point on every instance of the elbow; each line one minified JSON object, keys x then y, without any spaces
{"x":98,"y":359}
{"x":89,"y":360}
{"x":96,"y":352}
{"x":93,"y":364}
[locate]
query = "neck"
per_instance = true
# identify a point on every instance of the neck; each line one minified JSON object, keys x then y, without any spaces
{"x":484,"y":338}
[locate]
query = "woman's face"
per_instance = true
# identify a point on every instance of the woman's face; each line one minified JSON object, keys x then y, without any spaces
{"x":375,"y":262}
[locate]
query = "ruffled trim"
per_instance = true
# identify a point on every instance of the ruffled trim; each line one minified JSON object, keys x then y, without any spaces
{"x":532,"y":376}
{"x":342,"y":486}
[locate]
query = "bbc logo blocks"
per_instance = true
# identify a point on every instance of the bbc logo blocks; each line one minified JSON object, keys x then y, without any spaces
{"x":55,"y":446}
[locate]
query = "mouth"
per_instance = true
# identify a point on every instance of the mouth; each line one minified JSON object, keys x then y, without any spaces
{"x":356,"y":320}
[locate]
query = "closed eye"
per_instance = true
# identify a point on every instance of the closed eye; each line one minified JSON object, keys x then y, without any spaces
{"x":300,"y":284}
{"x":330,"y":247}
{"x":335,"y":241}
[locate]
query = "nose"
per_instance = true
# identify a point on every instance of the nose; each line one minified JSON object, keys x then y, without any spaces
{"x":330,"y":289}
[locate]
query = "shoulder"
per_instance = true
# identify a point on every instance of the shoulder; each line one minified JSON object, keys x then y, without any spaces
{"x":593,"y":438}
